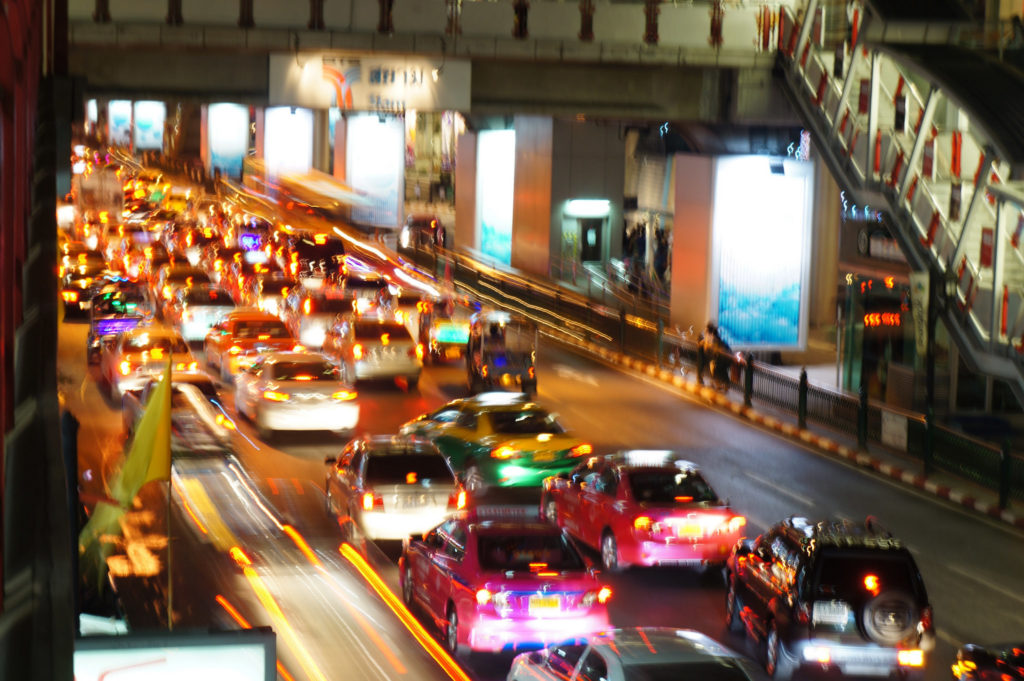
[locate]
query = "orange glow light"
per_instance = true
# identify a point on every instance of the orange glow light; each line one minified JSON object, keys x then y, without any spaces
{"x":684,"y":499}
{"x":357,"y":351}
{"x":872,"y":584}
{"x":301,"y":543}
{"x":890,"y":282}
{"x":235,"y":615}
{"x":239,"y":556}
{"x":410,"y":478}
{"x":385,"y":338}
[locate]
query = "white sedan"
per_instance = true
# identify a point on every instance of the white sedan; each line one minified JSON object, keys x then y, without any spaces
{"x":295,"y":391}
{"x":636,"y":654}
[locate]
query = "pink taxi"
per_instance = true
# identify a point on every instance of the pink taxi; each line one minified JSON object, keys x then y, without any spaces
{"x":494,"y":585}
{"x":643,"y":507}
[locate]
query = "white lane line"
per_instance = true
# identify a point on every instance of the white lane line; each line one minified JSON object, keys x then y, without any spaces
{"x":977,"y":580}
{"x":948,"y":638}
{"x":567,"y":372}
{"x":785,"y":492}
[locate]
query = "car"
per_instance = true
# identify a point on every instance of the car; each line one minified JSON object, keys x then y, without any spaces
{"x":114,"y":310}
{"x":832,"y":594}
{"x":391,"y":486}
{"x":998,"y":662}
{"x":366,"y":290}
{"x":311,"y":258}
{"x":215,"y":258}
{"x":373,"y":347}
{"x":308,"y":314}
{"x":295,"y":391}
{"x":81,"y":278}
{"x":501,"y":439}
{"x":195,"y":309}
{"x":239,"y":274}
{"x":422,"y":231}
{"x":230,"y":344}
{"x":643,"y":507}
{"x":492,"y":584}
{"x":269,"y":293}
{"x":140,"y":353}
{"x":197,"y":425}
{"x":635,"y":654}
{"x":174,"y":276}
{"x":501,"y":352}
{"x":443,"y":328}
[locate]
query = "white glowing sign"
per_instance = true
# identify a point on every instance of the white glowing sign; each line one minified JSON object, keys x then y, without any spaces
{"x":375,"y":164}
{"x":149,"y":125}
{"x":119,"y":122}
{"x":288,"y":140}
{"x":495,"y":185}
{"x":228,"y":137}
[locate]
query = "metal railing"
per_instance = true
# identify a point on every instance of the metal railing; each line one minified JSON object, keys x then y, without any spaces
{"x":934,"y":446}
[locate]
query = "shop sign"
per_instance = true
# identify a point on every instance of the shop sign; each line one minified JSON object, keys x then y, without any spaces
{"x":369,"y":83}
{"x":987,"y":239}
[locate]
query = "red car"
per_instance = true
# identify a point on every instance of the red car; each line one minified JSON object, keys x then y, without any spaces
{"x":495,"y":585}
{"x":643,"y":508}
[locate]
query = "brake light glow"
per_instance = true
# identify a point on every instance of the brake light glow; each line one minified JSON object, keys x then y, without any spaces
{"x":926,"y":619}
{"x":303,"y":377}
{"x":582,"y":449}
{"x":344,"y":395}
{"x":125,"y":367}
{"x":604,"y":595}
{"x":234,"y":350}
{"x":385,"y":339}
{"x":642,"y":523}
{"x":357,"y":351}
{"x":307,"y":306}
{"x":275,"y":396}
{"x":419,"y":351}
{"x":872,"y":584}
{"x":319,"y":239}
{"x":264,"y":336}
{"x":504,"y":452}
{"x":69,"y":296}
{"x":460,"y":499}
{"x":684,"y":500}
{"x":372,"y":501}
{"x":735,"y":523}
{"x":483,"y":597}
{"x":819,"y":654}
{"x":298,"y":348}
{"x":910,"y":658}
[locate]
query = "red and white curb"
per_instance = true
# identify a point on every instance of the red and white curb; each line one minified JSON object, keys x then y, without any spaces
{"x":862,"y":459}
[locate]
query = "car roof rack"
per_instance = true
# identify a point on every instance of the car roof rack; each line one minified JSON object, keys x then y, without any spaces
{"x":840,"y":532}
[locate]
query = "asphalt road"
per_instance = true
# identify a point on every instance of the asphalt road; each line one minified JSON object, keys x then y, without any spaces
{"x":331,"y":625}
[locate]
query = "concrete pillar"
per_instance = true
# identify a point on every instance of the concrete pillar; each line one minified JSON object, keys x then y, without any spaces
{"x":340,"y":137}
{"x":465,"y":198}
{"x":531,"y":208}
{"x":321,"y":140}
{"x":691,"y":241}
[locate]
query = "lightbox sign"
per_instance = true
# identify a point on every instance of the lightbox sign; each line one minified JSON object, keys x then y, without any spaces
{"x":287,"y":140}
{"x":91,"y":115}
{"x":375,"y":166}
{"x":762,"y":244}
{"x":245,"y":655}
{"x":495,"y":185}
{"x":119,"y":122}
{"x":228,"y":137}
{"x":149,"y":125}
{"x":369,"y":83}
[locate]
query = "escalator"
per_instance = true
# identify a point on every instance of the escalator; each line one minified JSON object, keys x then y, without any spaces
{"x":925,"y":133}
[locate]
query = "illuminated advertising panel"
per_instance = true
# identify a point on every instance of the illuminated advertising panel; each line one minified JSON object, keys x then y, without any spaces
{"x":762,"y":245}
{"x":375,"y":165}
{"x":288,"y":140}
{"x":92,"y":113}
{"x":228,"y":126}
{"x":119,"y":122}
{"x":246,"y":655}
{"x":149,"y":125}
{"x":495,"y":184}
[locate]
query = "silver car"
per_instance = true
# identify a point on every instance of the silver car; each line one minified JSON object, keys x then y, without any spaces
{"x":389,"y":487}
{"x":369,"y":347}
{"x":295,"y":391}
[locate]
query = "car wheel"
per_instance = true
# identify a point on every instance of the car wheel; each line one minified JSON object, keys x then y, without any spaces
{"x":610,"y":553}
{"x":451,"y":633}
{"x":890,"y":617}
{"x":733,"y":607}
{"x":777,"y":662}
{"x":407,"y":594}
{"x":475,"y":483}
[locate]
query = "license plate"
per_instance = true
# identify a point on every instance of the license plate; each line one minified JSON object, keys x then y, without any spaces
{"x":689,"y":530}
{"x":830,"y":612}
{"x":545,"y":603}
{"x":543,"y":456}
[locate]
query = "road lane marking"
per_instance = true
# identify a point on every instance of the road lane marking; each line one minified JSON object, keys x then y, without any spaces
{"x":785,"y":492}
{"x":948,"y":638}
{"x":298,"y":486}
{"x":273,"y":486}
{"x":567,"y":372}
{"x":977,"y":580}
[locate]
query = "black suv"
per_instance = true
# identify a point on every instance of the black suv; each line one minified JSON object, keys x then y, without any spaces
{"x":832,"y":595}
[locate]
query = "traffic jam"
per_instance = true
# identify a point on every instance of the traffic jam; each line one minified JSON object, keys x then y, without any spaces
{"x":301,"y":331}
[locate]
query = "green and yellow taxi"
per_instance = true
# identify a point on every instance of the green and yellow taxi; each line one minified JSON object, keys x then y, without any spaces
{"x":500,"y":439}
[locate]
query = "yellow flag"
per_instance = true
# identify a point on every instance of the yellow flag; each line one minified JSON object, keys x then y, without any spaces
{"x":150,"y":455}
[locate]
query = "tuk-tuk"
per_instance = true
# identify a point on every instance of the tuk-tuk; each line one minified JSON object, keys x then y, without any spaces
{"x":443,"y":328}
{"x":501,"y":351}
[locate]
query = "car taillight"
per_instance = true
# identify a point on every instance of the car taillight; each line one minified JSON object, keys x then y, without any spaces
{"x":125,"y":367}
{"x":234,"y":350}
{"x":483,"y":597}
{"x":419,"y":351}
{"x":457,"y":500}
{"x":344,"y":395}
{"x":167,"y":292}
{"x":733,"y":524}
{"x":357,"y":351}
{"x":505,"y":452}
{"x":69,"y":296}
{"x":192,"y":366}
{"x":372,"y":501}
{"x":915,"y":658}
{"x":298,"y":348}
{"x":926,"y":619}
{"x":583,"y":449}
{"x":275,"y":396}
{"x":601,"y":596}
{"x":531,"y":372}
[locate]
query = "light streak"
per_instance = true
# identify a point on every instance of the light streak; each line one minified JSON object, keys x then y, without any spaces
{"x":244,"y":623}
{"x":303,"y":546}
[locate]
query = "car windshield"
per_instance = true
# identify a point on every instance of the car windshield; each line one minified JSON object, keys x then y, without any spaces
{"x":327,"y":305}
{"x":377,"y":330}
{"x":712,"y":670}
{"x":119,"y":303}
{"x":526,"y":422}
{"x":207,"y":296}
{"x":304,"y":371}
{"x":408,"y":469}
{"x":148,"y":343}
{"x":666,"y":487}
{"x":258,"y":329}
{"x":516,"y":552}
{"x":843,"y":574}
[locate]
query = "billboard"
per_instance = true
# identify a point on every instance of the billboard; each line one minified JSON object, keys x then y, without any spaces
{"x":149,"y":125}
{"x":227,"y":137}
{"x":375,"y":166}
{"x":761,"y":242}
{"x":247,"y":655}
{"x":495,"y":185}
{"x":119,"y":122}
{"x":287,"y":140}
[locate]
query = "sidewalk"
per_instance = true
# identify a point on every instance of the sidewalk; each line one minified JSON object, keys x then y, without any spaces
{"x":876,"y":458}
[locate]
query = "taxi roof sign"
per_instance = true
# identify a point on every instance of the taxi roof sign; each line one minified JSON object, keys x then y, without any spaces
{"x":499,"y":398}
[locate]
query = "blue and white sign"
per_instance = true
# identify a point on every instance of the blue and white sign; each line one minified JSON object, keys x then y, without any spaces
{"x":149,"y":125}
{"x":375,"y":165}
{"x":228,"y":137}
{"x":495,"y":189}
{"x":119,"y":122}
